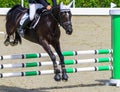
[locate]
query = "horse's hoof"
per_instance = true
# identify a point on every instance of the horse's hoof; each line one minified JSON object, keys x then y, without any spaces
{"x":13,"y":43}
{"x":6,"y":43}
{"x":57,"y":77}
{"x":64,"y":77}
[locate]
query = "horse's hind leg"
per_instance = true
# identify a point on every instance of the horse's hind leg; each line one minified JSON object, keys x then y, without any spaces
{"x":56,"y":45}
{"x":47,"y":48}
{"x":7,"y":41}
{"x":17,"y":39}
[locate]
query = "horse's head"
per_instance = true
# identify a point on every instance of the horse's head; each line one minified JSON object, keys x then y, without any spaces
{"x":65,"y":18}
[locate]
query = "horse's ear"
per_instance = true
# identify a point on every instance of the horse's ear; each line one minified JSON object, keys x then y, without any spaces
{"x":61,"y":3}
{"x":70,"y":4}
{"x":62,"y":6}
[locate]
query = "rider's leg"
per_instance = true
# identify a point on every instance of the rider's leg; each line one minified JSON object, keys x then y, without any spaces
{"x":26,"y":19}
{"x":33,"y":15}
{"x":32,"y":10}
{"x":23,"y":23}
{"x":33,"y":7}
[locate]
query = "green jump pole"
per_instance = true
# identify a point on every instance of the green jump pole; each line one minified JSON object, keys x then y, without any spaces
{"x":115,"y":44}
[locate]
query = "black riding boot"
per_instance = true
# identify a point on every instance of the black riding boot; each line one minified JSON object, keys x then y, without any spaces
{"x":22,"y":27}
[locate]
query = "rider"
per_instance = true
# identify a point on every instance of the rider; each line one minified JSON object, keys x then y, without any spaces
{"x":34,"y":5}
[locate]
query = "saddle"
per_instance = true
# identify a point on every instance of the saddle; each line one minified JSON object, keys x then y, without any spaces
{"x":39,"y":13}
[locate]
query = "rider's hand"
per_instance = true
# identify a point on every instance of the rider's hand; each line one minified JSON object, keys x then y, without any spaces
{"x":48,"y":7}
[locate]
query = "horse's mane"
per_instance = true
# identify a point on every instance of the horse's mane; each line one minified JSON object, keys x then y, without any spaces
{"x":55,"y":11}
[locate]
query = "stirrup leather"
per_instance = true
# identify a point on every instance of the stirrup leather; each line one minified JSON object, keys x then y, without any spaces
{"x":35,"y":22}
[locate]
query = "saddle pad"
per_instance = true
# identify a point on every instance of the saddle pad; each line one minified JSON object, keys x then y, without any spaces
{"x":25,"y":16}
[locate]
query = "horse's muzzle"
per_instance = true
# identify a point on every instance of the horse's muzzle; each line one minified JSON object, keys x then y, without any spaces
{"x":69,"y":30}
{"x":68,"y":27}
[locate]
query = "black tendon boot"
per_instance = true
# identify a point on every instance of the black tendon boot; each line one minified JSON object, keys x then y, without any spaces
{"x":22,"y":27}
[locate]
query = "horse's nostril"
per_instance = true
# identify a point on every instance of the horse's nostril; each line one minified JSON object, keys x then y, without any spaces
{"x":69,"y":32}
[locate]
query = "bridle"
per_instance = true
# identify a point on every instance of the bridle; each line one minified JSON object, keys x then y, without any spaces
{"x":60,"y":18}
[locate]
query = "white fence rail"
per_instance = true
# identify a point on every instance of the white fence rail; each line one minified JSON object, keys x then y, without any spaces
{"x":78,"y":11}
{"x":3,"y":11}
{"x":92,"y":11}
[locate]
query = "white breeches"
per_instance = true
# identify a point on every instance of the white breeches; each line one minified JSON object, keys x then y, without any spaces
{"x":33,"y":8}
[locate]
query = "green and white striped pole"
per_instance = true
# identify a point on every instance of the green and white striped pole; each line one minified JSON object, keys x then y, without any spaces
{"x":46,"y":72}
{"x":115,"y":31}
{"x":67,"y":62}
{"x":65,"y":53}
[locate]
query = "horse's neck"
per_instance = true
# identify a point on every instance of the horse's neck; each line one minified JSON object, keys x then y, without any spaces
{"x":56,"y":11}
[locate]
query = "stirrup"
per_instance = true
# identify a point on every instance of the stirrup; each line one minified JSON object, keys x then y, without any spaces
{"x":21,"y":32}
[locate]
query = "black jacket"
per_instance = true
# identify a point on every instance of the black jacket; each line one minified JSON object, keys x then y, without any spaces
{"x":43,"y":2}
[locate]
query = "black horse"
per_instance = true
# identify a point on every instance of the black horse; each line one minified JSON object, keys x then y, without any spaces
{"x":46,"y":32}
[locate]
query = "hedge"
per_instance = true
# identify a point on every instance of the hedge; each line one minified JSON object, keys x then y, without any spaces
{"x":78,"y":3}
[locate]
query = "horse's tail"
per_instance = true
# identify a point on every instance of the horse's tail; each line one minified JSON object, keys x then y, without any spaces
{"x":11,"y":19}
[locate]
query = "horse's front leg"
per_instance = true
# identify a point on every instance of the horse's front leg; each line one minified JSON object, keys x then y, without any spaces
{"x":58,"y":50}
{"x":47,"y":48}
